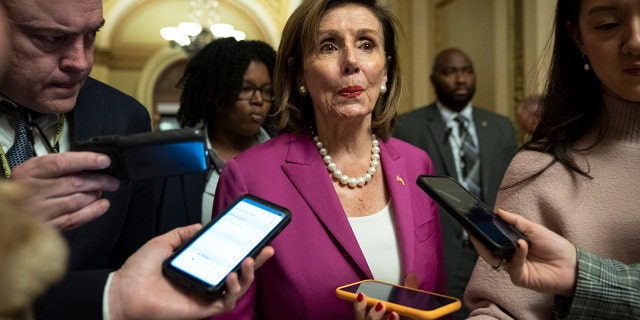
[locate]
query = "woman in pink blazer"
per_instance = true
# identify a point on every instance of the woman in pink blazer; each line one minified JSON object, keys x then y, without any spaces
{"x":339,"y":92}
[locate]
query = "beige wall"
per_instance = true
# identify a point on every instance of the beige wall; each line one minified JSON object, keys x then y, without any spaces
{"x":483,"y":28}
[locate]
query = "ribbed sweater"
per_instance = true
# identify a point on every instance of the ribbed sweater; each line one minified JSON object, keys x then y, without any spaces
{"x":600,"y":214}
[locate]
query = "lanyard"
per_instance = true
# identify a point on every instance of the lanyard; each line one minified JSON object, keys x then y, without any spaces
{"x":56,"y":147}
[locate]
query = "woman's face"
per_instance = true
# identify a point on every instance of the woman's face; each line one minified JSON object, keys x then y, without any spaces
{"x":247,"y":115}
{"x":609,"y":35}
{"x":347,"y":67}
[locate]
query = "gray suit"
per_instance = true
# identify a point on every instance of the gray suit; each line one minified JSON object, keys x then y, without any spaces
{"x":424,"y":128}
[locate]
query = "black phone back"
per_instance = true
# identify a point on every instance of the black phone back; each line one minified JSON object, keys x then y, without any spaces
{"x":475,"y":216}
{"x":151,"y":154}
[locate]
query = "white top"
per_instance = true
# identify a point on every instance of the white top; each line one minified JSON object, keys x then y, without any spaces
{"x":210,"y":188}
{"x":376,"y":235}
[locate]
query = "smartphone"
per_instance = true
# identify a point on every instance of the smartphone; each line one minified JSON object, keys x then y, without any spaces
{"x":240,"y":231}
{"x":475,"y":216}
{"x":405,"y":301}
{"x":151,"y":154}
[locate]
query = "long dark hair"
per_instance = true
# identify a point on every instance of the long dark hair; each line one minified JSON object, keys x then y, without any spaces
{"x":213,"y":78}
{"x":572,"y":101}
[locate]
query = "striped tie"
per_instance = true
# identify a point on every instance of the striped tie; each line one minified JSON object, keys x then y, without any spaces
{"x":469,"y":159}
{"x":21,"y":150}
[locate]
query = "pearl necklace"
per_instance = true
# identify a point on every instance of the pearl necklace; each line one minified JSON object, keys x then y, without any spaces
{"x":343,"y":178}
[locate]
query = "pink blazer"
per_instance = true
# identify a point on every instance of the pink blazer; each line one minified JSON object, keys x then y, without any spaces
{"x":318,"y":251}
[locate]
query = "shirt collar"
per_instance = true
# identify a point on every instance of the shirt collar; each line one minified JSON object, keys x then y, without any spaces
{"x":448,"y":115}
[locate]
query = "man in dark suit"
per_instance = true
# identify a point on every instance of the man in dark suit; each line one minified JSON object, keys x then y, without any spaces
{"x":435,"y":129}
{"x":48,"y":101}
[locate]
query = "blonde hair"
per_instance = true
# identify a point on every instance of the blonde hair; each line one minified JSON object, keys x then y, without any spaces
{"x":293,"y":111}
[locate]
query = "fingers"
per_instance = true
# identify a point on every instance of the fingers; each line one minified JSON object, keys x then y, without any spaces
{"x":73,"y":220}
{"x":266,"y":253}
{"x":519,"y":222}
{"x":58,"y":164}
{"x":234,"y":290}
{"x":376,"y":312}
{"x":178,"y":236}
{"x":360,"y":307}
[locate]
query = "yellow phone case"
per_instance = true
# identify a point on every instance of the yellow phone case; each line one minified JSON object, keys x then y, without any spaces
{"x":446,"y":308}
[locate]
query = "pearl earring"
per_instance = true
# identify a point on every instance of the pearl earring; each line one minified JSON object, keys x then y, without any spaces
{"x":383,"y":89}
{"x":302,"y":90}
{"x":586,"y":66}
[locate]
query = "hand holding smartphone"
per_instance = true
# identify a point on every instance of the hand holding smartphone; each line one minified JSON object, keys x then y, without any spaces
{"x":240,"y":231}
{"x":409,"y":302}
{"x":475,"y":216}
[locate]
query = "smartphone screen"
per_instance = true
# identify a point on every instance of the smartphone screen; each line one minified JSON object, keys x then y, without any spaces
{"x":404,"y":300}
{"x":218,"y":249}
{"x":151,"y":154}
{"x":474,"y":215}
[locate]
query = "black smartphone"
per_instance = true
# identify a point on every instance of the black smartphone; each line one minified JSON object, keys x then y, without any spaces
{"x":409,"y":302}
{"x":151,"y":154}
{"x":475,"y":216}
{"x":243,"y":229}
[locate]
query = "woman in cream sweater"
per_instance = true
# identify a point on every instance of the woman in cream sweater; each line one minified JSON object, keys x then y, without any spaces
{"x":579,"y":175}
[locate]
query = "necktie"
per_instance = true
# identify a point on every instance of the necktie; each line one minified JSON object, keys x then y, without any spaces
{"x":469,"y":159}
{"x":21,"y":150}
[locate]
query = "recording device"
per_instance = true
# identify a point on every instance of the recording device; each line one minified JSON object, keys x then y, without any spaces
{"x":240,"y":231}
{"x":475,"y":216}
{"x":409,"y":302}
{"x":151,"y":154}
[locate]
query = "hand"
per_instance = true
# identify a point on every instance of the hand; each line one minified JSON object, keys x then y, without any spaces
{"x":377,"y":312}
{"x":140,"y":291}
{"x":60,"y":191}
{"x":549,"y":266}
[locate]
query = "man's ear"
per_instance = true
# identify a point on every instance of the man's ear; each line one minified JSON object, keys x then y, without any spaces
{"x":574,"y":33}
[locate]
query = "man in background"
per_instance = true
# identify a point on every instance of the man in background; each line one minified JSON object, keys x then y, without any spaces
{"x":527,"y":115}
{"x":470,"y":144}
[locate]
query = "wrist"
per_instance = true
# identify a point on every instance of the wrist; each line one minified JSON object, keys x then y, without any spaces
{"x":112,"y":309}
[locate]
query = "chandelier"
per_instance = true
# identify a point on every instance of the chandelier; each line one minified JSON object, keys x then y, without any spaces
{"x":202,"y":27}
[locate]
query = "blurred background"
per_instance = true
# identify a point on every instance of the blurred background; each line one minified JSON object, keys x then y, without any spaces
{"x":506,"y":39}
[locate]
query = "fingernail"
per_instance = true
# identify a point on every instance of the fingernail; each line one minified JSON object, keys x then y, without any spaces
{"x":392,"y":316}
{"x":378,"y":306}
{"x":360,"y":297}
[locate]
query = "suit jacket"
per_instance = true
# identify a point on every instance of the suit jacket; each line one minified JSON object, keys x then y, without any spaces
{"x":318,"y":251}
{"x":425,"y":129}
{"x":181,"y":198}
{"x":180,"y":201}
{"x":102,"y":245}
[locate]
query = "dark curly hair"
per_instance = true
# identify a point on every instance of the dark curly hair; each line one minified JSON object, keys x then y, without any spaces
{"x":213,"y":78}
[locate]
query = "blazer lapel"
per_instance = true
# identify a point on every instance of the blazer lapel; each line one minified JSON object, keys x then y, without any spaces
{"x":309,"y":175}
{"x":485,"y":133}
{"x":440,"y":134}
{"x":398,"y":181}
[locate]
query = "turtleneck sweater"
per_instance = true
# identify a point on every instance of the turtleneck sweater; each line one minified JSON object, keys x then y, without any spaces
{"x":600,"y":213}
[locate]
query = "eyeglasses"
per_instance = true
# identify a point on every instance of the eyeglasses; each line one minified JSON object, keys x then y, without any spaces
{"x":248,"y":91}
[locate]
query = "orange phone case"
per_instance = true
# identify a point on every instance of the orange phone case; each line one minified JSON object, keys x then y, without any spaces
{"x":402,"y":309}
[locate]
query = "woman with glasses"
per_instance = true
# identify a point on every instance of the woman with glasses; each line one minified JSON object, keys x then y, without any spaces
{"x":227,"y":92}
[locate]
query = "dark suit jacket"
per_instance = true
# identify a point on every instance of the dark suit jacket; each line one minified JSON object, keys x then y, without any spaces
{"x":181,"y":201}
{"x":425,"y":129}
{"x":181,"y":198}
{"x":104,"y":244}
